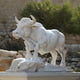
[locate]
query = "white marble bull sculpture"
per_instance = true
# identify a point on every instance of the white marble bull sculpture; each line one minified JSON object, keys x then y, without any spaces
{"x":37,"y":38}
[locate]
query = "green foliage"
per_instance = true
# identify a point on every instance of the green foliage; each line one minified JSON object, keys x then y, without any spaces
{"x":65,"y":18}
{"x":78,"y":52}
{"x":41,"y":10}
{"x":76,"y":20}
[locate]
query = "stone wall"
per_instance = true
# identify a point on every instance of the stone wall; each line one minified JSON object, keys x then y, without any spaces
{"x":8,"y":10}
{"x":72,"y":39}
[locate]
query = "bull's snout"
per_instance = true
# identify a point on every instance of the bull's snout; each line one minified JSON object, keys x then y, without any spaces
{"x":15,"y":34}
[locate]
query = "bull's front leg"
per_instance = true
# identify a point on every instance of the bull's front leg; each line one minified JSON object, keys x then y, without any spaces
{"x":36,"y":49}
{"x":28,"y":54}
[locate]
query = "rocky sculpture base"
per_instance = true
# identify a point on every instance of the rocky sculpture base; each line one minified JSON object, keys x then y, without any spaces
{"x":32,"y":65}
{"x":22,"y":64}
{"x":57,"y":68}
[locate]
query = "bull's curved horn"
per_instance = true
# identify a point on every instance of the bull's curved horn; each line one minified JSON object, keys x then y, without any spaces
{"x":17,"y":21}
{"x":33,"y":18}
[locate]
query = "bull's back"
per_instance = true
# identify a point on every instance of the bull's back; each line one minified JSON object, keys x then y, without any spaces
{"x":61,"y":38}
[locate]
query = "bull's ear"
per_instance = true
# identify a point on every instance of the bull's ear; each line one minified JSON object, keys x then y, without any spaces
{"x":35,"y":26}
{"x":17,"y":21}
{"x":25,"y":26}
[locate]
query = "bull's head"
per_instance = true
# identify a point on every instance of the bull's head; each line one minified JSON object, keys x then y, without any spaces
{"x":24,"y":27}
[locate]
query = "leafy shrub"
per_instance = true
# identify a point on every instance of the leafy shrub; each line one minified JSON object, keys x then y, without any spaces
{"x":43,"y":11}
{"x":65,"y":18}
{"x":76,"y":20}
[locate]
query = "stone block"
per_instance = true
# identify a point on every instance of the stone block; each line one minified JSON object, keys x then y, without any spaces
{"x":40,"y":76}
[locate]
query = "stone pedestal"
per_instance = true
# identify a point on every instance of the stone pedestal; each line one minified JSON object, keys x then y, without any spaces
{"x":40,"y":76}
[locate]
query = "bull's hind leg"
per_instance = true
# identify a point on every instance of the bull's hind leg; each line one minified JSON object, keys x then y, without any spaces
{"x":54,"y":57}
{"x":62,"y":54}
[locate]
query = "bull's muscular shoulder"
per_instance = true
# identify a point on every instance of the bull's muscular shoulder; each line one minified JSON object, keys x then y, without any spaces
{"x":37,"y":24}
{"x":55,"y":30}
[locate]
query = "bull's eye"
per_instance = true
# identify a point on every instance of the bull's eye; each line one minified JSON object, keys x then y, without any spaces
{"x":23,"y":21}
